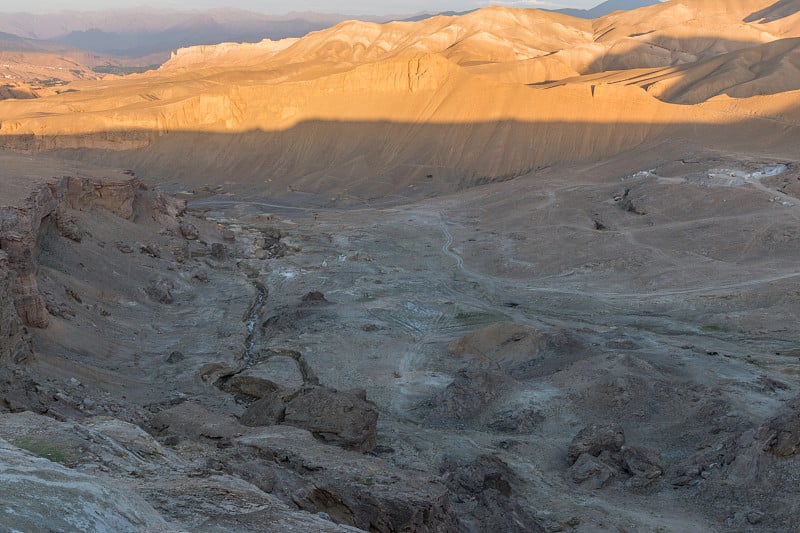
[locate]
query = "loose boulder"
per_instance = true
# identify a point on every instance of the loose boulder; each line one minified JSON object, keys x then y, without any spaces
{"x":343,"y":418}
{"x":268,"y":411}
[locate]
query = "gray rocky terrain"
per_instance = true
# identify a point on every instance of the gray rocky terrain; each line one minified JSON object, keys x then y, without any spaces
{"x":604,"y":347}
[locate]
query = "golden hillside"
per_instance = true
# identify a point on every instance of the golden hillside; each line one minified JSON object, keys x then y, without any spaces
{"x":489,"y":95}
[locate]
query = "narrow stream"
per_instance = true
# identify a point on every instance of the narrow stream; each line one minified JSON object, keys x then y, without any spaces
{"x":252,"y":319}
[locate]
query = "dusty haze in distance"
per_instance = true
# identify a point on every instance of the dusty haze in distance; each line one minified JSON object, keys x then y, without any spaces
{"x":352,"y":6}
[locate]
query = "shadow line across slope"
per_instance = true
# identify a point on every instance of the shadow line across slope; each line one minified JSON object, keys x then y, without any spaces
{"x":378,"y":159}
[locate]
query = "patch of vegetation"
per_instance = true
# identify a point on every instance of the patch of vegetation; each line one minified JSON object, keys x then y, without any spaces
{"x":47,"y":449}
{"x":52,"y":82}
{"x":711,"y":328}
{"x":122,"y":71}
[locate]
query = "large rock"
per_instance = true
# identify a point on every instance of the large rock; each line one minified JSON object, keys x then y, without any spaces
{"x":355,"y":489}
{"x":343,"y":418}
{"x":117,"y":196}
{"x":593,"y":472}
{"x":22,"y":227}
{"x":252,"y":387}
{"x":40,"y":495}
{"x":190,"y":419}
{"x":595,"y":439}
{"x":267,"y":411}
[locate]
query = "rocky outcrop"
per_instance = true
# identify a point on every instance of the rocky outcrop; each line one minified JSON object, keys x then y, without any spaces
{"x":15,"y":346}
{"x":598,"y":455}
{"x":352,"y":488}
{"x":488,"y":489}
{"x":344,"y":418}
{"x":781,"y":434}
{"x":22,"y":227}
{"x":162,"y":492}
{"x":42,"y":495}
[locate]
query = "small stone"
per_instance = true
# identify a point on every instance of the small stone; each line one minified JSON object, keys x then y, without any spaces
{"x":151,"y":250}
{"x":189,"y":231}
{"x":755,"y":517}
{"x":218,"y":251}
{"x":175,"y":357}
{"x":314,"y":297}
{"x":228,"y":235}
{"x":161,"y":291}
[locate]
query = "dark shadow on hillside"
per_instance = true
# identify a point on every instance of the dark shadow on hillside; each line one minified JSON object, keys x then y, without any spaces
{"x":665,"y":51}
{"x":778,"y":10}
{"x":737,"y":74}
{"x":340,"y":163}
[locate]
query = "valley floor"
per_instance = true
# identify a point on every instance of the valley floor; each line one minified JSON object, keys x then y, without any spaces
{"x":489,"y":328}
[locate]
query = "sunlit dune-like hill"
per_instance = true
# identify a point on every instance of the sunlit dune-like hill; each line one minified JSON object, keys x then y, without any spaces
{"x":437,"y":104}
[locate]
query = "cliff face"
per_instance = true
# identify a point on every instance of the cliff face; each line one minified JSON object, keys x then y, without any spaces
{"x":21,"y":229}
{"x":14,"y":346}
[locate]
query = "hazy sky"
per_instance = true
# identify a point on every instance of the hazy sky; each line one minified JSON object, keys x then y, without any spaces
{"x":283,"y":6}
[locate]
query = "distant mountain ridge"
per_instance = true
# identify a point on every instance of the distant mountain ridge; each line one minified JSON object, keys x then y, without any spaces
{"x":609,"y":6}
{"x":154,"y":34}
{"x":131,"y":33}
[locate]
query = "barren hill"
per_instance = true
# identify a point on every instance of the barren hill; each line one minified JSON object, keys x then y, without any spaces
{"x":446,"y":102}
